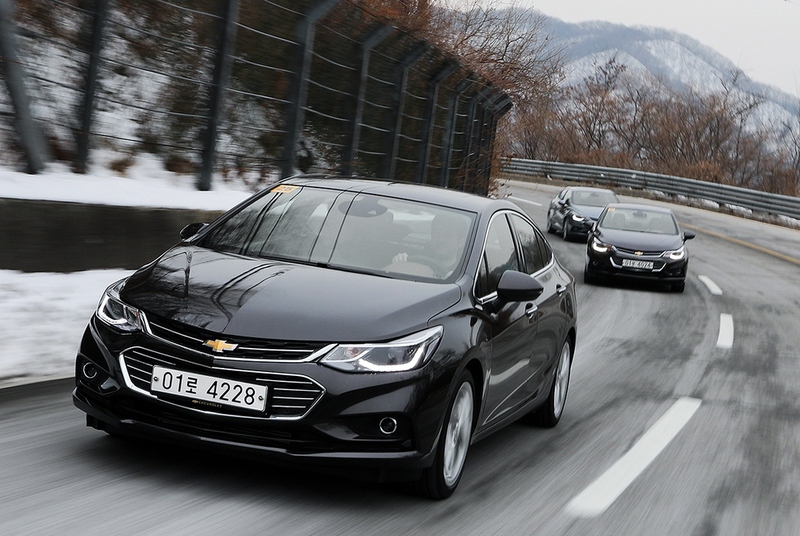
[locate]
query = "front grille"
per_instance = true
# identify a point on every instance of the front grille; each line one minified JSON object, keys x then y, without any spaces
{"x":289,"y":396}
{"x":633,"y":252}
{"x":249,"y":349}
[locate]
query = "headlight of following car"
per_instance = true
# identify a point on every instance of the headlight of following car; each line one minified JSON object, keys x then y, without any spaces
{"x":577,"y":217}
{"x":676,"y":255}
{"x":599,"y":246}
{"x":116,"y":313}
{"x":403,"y":354}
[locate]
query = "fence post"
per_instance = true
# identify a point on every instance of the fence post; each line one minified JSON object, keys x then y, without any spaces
{"x":295,"y":112}
{"x":484,"y":170}
{"x":99,"y":14}
{"x":449,"y":129}
{"x":350,"y":151}
{"x":30,"y":135}
{"x":222,"y":67}
{"x":388,"y":163}
{"x":468,"y":145}
{"x":424,"y":151}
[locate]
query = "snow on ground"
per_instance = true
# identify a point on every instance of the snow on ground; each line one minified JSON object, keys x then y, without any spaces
{"x":43,"y":315}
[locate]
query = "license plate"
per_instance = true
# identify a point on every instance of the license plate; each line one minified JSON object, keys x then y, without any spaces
{"x":631,"y":263}
{"x":209,"y":389}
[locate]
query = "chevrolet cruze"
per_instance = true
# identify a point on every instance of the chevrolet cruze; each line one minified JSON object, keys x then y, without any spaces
{"x":342,"y":322}
{"x":641,"y":242}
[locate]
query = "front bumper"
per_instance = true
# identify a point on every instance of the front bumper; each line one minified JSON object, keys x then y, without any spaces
{"x":664,"y":270}
{"x":578,"y":228}
{"x":341,"y":423}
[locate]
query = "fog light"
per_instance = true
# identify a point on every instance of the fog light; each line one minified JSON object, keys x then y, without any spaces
{"x":388,"y":425}
{"x":89,"y":371}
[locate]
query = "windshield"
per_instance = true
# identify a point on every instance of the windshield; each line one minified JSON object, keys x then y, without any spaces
{"x":594,"y":199}
{"x":635,"y":219}
{"x":358,"y":232}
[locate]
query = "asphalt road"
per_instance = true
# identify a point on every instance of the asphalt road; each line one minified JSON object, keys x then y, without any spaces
{"x":683,"y":418}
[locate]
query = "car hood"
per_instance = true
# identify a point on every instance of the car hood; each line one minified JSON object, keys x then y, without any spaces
{"x":640,"y":241}
{"x":588,"y":211}
{"x":241,"y":296}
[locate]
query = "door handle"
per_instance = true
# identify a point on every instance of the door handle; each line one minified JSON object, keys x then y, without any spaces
{"x":530,"y":310}
{"x":560,"y":290}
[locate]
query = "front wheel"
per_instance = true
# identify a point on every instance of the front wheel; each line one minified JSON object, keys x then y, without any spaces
{"x":440,"y":480}
{"x":589,"y":277}
{"x":550,"y":228}
{"x":550,"y":412}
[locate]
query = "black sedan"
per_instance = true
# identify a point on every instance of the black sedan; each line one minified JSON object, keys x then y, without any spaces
{"x":638,"y":242}
{"x":341,"y":322}
{"x":575,"y":209}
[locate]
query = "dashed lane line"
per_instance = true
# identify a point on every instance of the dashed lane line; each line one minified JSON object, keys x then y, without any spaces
{"x":713,"y":288}
{"x":602,"y":493}
{"x":725,"y":338}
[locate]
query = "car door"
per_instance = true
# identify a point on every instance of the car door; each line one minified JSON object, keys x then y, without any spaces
{"x":550,"y":317}
{"x":511,"y":326}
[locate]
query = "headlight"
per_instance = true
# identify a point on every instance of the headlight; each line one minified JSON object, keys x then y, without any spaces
{"x":599,"y":246}
{"x":676,"y":255}
{"x":577,"y":217}
{"x":114,"y":312}
{"x":403,"y":354}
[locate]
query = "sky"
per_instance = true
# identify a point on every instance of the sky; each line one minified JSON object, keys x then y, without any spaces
{"x":43,"y":315}
{"x":762,"y":37}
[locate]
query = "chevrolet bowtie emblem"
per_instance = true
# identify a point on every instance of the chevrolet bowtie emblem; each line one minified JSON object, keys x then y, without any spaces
{"x":640,"y":253}
{"x":220,"y":346}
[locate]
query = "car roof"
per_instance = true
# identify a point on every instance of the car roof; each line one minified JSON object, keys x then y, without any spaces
{"x":404,"y":190}
{"x":640,"y":206}
{"x":589,"y":189}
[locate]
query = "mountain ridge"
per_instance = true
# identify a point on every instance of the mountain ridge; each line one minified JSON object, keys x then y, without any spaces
{"x":671,"y":57}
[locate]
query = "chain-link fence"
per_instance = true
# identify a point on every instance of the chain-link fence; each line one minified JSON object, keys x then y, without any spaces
{"x":243,"y":89}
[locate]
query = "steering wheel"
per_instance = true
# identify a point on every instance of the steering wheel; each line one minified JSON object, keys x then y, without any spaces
{"x":434,"y":263}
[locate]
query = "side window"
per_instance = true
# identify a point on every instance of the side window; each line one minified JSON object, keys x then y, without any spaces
{"x":499,"y":255}
{"x":482,"y":279}
{"x":528,"y":239}
{"x":545,"y":253}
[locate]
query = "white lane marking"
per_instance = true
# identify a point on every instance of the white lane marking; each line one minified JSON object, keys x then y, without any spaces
{"x":725,"y":338}
{"x":601,"y":493}
{"x":515,"y":199}
{"x":712,"y":287}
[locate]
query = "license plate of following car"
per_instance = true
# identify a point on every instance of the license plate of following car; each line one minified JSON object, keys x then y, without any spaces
{"x":208,"y":388}
{"x":631,"y":263}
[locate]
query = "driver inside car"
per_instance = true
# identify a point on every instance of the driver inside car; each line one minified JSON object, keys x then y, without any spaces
{"x":443,"y":251}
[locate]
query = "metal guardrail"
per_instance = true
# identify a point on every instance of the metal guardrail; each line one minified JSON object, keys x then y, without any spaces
{"x":730,"y":196}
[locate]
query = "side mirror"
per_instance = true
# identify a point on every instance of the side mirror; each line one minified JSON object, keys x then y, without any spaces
{"x":688,"y":235}
{"x":191,"y":230}
{"x":516,"y":287}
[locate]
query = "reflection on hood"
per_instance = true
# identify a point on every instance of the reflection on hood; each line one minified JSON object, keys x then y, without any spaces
{"x":259,"y":298}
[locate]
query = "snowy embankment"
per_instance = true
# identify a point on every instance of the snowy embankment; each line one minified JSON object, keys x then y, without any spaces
{"x":43,"y":315}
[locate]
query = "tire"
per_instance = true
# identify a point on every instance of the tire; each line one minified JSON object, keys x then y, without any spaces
{"x":679,"y":287}
{"x":548,"y":414}
{"x":588,"y":277}
{"x":550,"y":228}
{"x":440,"y":480}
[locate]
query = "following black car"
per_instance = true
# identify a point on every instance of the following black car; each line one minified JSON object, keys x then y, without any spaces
{"x":339,"y":322}
{"x":641,"y":242}
{"x":575,"y":209}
